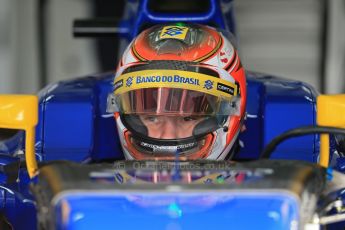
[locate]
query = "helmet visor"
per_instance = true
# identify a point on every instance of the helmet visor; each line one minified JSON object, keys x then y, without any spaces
{"x":174,"y":104}
{"x":194,"y":90}
{"x":168,"y":101}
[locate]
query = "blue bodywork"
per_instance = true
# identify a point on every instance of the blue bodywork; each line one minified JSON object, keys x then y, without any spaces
{"x":73,"y":125}
{"x":180,"y":212}
{"x":274,"y":106}
{"x":79,"y":106}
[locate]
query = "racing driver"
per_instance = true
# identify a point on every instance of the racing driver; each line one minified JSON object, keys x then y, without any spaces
{"x":179,"y":91}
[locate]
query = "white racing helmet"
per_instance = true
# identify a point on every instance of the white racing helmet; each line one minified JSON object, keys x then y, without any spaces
{"x":179,"y":91}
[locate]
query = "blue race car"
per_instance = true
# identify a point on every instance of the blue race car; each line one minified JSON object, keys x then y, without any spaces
{"x":70,"y":171}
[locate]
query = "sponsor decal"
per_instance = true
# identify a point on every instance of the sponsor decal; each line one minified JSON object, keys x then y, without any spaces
{"x":224,"y":60}
{"x":225,"y":88}
{"x":119,"y":178}
{"x":129,"y":81}
{"x":175,"y":79}
{"x":175,"y":32}
{"x":118,"y":84}
{"x":208,"y":84}
{"x":167,"y":148}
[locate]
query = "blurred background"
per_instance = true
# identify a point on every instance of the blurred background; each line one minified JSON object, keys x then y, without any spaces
{"x":296,"y":39}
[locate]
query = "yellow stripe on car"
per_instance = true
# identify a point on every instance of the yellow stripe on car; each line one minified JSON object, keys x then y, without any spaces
{"x":330,"y":112}
{"x":21,"y":112}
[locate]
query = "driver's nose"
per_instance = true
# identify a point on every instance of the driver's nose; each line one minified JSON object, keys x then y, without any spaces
{"x":169,"y":129}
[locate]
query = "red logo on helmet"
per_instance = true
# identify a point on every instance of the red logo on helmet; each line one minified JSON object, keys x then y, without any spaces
{"x":224,"y":60}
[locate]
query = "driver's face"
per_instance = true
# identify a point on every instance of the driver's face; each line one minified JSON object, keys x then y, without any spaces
{"x":170,"y":127}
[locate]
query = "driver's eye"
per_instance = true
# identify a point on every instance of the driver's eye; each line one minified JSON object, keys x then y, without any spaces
{"x":151,"y":118}
{"x":189,"y":118}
